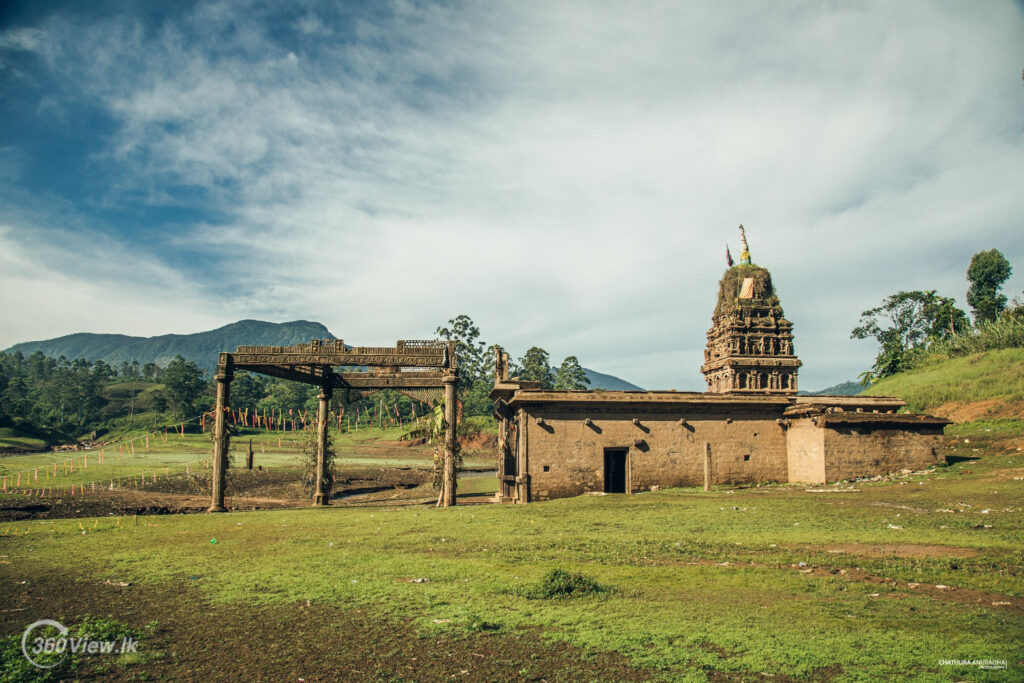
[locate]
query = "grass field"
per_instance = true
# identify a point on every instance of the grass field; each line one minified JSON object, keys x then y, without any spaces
{"x":995,"y":375}
{"x":870,"y":581}
{"x":273,"y":450}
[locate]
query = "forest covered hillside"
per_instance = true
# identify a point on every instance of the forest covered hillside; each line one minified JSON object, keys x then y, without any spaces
{"x":201,"y":347}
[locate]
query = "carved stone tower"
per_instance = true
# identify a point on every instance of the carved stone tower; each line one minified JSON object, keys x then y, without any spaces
{"x":750,"y":343}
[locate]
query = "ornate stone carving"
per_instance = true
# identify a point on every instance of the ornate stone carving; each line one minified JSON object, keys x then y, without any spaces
{"x":750,"y":343}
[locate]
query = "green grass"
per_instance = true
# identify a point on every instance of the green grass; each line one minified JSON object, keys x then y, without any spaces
{"x":988,"y":375}
{"x":21,"y":442}
{"x":990,"y":427}
{"x":696,"y":582}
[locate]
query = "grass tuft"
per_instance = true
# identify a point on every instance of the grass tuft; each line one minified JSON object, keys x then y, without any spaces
{"x":559,"y":583}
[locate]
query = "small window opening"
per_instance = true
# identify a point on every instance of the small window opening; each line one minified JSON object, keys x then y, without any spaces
{"x":746,"y":458}
{"x":547,"y":468}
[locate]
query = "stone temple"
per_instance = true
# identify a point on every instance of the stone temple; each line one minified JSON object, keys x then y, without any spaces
{"x":750,"y":343}
{"x":749,"y":427}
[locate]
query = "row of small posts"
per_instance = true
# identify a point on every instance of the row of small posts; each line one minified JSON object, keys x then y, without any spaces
{"x":323,"y":494}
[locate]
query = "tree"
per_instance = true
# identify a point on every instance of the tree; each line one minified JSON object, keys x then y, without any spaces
{"x":469,"y":347}
{"x":571,"y":376}
{"x":987,"y":273}
{"x":247,"y":390}
{"x":185,"y":384}
{"x":905,"y":324}
{"x":151,"y":371}
{"x":475,"y":373}
{"x":535,"y":366}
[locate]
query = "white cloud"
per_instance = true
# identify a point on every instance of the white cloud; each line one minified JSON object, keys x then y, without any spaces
{"x":568,"y":174}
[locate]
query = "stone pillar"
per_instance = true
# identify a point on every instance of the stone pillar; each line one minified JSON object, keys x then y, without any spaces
{"x":523,"y":459}
{"x":707,"y":466}
{"x":323,"y":494}
{"x":450,"y":435}
{"x":502,"y":459}
{"x":220,"y":436}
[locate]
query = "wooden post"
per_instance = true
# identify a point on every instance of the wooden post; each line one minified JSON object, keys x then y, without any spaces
{"x":450,"y":435}
{"x":323,"y":495}
{"x":220,"y":436}
{"x":707,"y":466}
{"x":248,"y":458}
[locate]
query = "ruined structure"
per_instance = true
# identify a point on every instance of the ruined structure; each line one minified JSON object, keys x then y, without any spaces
{"x":750,"y":343}
{"x":749,"y":427}
{"x":409,"y":366}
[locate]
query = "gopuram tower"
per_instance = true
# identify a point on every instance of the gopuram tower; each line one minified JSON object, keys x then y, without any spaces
{"x":750,"y":343}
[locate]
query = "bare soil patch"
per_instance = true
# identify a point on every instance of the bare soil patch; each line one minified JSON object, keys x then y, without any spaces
{"x":198,"y":641}
{"x":960,"y":411}
{"x":900,"y":550}
{"x":898,"y":589}
{"x":189,"y":494}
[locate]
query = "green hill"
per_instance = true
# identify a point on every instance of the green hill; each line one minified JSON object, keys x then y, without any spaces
{"x":599,"y":380}
{"x":995,"y":377}
{"x":841,"y":389}
{"x":201,"y":347}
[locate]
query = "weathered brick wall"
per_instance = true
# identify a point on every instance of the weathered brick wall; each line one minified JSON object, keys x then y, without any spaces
{"x":806,"y":444}
{"x":867,"y":450}
{"x":751,"y":448}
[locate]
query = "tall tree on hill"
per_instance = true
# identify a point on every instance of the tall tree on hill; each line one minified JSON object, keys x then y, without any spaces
{"x":570,"y":375}
{"x":150,"y":371}
{"x":987,"y":273}
{"x":185,"y":384}
{"x":536,"y":366}
{"x":904,"y":325}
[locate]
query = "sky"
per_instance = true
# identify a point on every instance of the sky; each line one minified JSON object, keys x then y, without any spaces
{"x":568,"y":174}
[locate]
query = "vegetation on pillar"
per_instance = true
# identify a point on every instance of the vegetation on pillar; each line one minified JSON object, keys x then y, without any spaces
{"x":437,"y":428}
{"x":309,"y":458}
{"x":987,"y":273}
{"x":570,"y":376}
{"x":905,"y":324}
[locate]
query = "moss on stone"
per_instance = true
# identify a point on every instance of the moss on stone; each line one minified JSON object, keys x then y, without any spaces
{"x":732,"y":282}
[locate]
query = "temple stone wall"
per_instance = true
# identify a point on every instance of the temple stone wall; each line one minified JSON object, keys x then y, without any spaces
{"x":865,"y":451}
{"x":746,"y":447}
{"x":806,"y":445}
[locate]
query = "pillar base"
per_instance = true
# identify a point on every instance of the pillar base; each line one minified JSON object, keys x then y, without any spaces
{"x":217,"y":508}
{"x":321,"y":499}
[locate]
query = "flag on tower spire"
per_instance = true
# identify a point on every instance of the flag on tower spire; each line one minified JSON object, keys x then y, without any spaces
{"x":728,"y":256}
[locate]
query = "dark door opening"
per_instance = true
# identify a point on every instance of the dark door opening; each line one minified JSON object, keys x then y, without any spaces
{"x":615,"y":470}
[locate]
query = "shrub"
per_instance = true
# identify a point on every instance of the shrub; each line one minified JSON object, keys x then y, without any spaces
{"x":559,"y":583}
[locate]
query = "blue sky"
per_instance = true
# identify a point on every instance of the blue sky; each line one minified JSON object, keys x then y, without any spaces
{"x":565,"y":173}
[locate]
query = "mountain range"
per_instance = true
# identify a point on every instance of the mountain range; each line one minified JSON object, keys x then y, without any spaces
{"x":204,"y":347}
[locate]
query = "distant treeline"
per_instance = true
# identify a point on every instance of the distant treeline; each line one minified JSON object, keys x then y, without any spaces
{"x":57,"y":398}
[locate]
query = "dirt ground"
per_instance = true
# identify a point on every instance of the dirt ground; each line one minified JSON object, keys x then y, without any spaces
{"x":978,"y":410}
{"x":246,"y":490}
{"x":198,"y":641}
